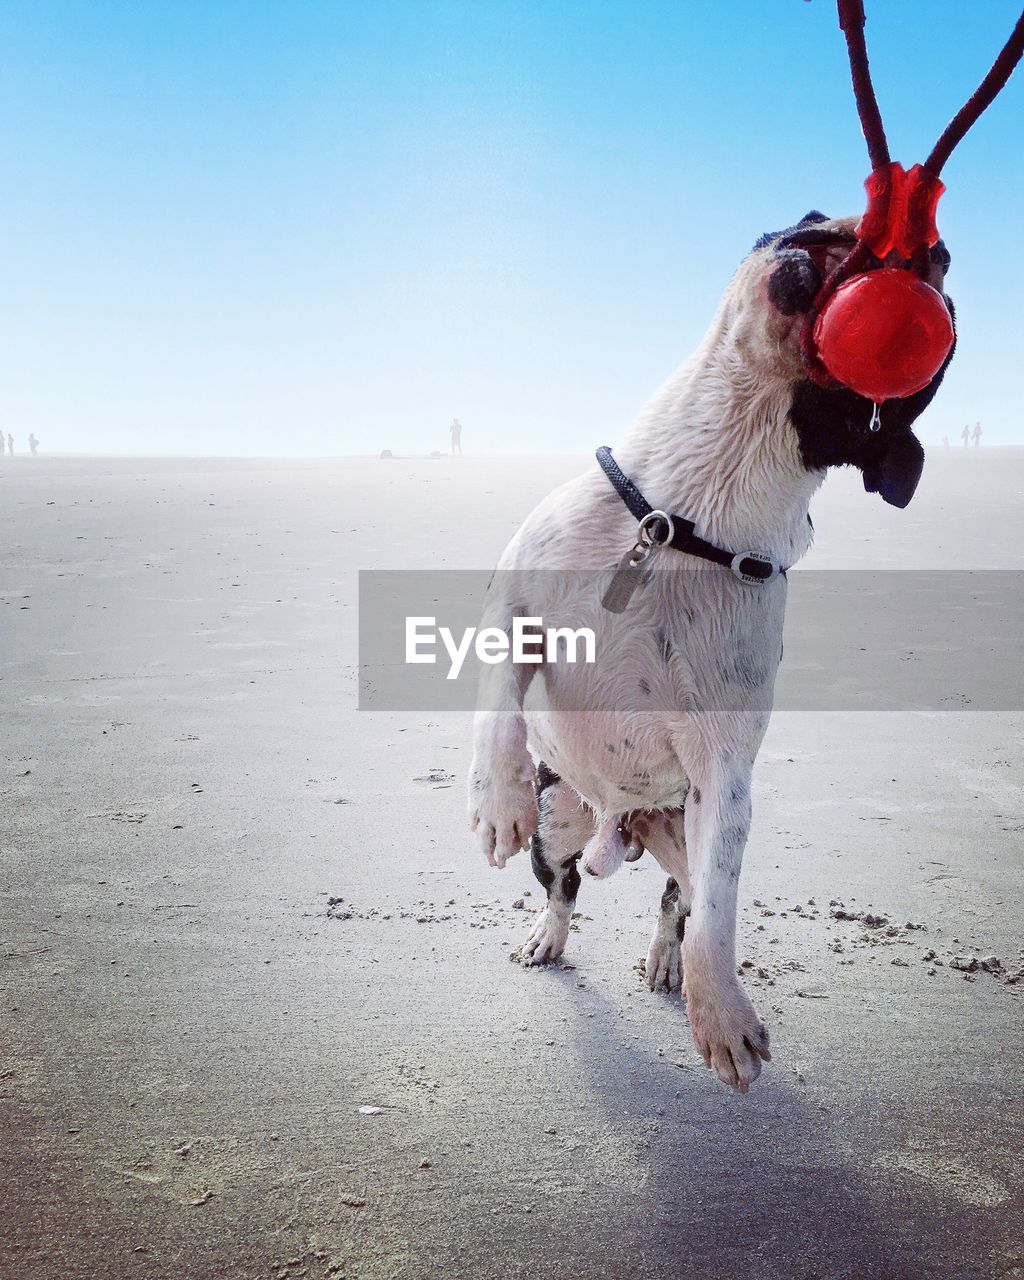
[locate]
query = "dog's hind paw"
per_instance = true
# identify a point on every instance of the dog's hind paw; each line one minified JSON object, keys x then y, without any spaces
{"x":664,"y":964}
{"x":547,"y":938}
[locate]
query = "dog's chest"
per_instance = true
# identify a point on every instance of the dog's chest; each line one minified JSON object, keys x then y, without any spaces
{"x":692,"y":644}
{"x":617,"y":765}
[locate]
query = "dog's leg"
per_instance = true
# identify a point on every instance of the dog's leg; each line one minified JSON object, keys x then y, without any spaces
{"x":726,"y":1026}
{"x":663,"y":837}
{"x":502,"y":798}
{"x":565,"y":827}
{"x":664,"y":964}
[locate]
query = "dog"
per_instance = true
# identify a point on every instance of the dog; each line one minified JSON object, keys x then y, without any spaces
{"x":652,"y":747}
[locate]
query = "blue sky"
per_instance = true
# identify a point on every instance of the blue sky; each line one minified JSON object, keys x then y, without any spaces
{"x":322,"y":228}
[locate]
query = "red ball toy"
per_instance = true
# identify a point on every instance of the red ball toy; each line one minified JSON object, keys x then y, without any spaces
{"x":885,"y":334}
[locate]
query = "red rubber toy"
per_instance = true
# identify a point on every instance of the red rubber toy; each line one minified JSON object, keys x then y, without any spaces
{"x":884,"y":334}
{"x":876,"y":326}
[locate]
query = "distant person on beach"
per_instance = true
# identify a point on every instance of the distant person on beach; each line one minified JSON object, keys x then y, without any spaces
{"x":455,"y":431}
{"x":965,"y":435}
{"x":33,"y":443}
{"x":976,"y":437}
{"x":10,"y":443}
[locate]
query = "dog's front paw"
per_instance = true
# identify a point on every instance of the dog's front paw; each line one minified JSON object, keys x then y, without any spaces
{"x":504,"y":817}
{"x":547,"y":938}
{"x":664,"y":964}
{"x":728,"y":1032}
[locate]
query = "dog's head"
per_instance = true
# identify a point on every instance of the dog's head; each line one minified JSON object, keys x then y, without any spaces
{"x":778,"y":283}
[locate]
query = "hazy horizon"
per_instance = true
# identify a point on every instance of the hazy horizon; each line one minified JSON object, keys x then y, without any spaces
{"x":931,"y":446}
{"x":325,"y":230}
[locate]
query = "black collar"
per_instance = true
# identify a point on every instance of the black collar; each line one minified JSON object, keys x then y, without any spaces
{"x":677,"y":531}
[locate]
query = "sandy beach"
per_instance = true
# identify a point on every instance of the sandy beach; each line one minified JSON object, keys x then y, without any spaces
{"x":261,"y":1010}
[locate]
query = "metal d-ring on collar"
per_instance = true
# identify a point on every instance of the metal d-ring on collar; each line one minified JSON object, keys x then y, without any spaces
{"x":659,"y":529}
{"x":647,"y":534}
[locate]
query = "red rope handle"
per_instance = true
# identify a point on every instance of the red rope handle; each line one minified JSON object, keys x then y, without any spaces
{"x":901,"y":207}
{"x":852,"y":20}
{"x":998,"y":74}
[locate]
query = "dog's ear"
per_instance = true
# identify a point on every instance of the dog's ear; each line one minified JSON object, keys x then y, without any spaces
{"x":808,"y":220}
{"x":832,"y":426}
{"x":896,"y":472}
{"x":905,"y":412}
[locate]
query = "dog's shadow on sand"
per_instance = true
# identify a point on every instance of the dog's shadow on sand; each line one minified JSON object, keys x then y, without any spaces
{"x":774,"y":1184}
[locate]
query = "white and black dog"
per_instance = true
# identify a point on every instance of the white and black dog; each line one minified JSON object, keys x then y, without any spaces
{"x":653,"y":746}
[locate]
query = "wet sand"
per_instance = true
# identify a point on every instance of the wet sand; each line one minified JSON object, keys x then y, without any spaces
{"x":234,"y":911}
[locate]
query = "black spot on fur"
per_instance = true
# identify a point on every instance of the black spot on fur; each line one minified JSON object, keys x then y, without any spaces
{"x":541,"y":867}
{"x":545,"y":778}
{"x":794,"y":283}
{"x":681,"y":926}
{"x":645,"y":687}
{"x":695,"y":795}
{"x":665,"y":646}
{"x":748,"y":670}
{"x":571,"y":882}
{"x":670,"y":898}
{"x":731,"y":839}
